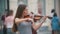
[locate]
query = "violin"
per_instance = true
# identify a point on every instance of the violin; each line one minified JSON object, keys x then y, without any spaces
{"x":36,"y":17}
{"x":27,"y":16}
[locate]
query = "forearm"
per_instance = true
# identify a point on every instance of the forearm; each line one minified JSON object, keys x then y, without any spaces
{"x":38,"y":25}
{"x":20,"y":20}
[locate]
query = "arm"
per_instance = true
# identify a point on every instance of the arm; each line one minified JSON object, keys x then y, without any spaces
{"x":17,"y":20}
{"x":35,"y":27}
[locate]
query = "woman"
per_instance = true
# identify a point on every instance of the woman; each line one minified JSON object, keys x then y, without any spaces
{"x":9,"y":22}
{"x":4,"y":26}
{"x":24,"y":25}
{"x":55,"y":24}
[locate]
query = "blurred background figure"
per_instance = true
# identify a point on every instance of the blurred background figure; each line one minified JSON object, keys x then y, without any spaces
{"x":9,"y":22}
{"x":4,"y":26}
{"x":55,"y":24}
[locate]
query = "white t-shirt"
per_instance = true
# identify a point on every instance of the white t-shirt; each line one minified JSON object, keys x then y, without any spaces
{"x":9,"y":21}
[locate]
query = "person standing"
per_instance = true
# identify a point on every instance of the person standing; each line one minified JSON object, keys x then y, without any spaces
{"x":4,"y":26}
{"x":24,"y":25}
{"x":9,"y":22}
{"x":55,"y":24}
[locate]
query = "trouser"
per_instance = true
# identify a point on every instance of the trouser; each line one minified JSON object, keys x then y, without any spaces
{"x":4,"y":30}
{"x":55,"y":31}
{"x":9,"y":31}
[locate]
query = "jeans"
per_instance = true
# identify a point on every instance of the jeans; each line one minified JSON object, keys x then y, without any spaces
{"x":9,"y":31}
{"x":4,"y":30}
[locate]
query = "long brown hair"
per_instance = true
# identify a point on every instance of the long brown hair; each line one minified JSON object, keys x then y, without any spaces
{"x":19,"y":13}
{"x":20,"y":10}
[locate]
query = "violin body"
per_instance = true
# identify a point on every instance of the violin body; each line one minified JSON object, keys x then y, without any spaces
{"x":27,"y":16}
{"x":37,"y":17}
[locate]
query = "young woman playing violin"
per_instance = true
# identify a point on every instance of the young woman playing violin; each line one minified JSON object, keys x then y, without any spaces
{"x":25,"y":25}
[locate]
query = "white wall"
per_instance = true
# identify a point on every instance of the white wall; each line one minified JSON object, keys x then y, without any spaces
{"x":13,"y":5}
{"x":49,"y":6}
{"x":58,"y":8}
{"x":32,"y":5}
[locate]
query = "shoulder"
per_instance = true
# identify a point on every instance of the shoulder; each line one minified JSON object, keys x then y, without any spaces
{"x":9,"y":18}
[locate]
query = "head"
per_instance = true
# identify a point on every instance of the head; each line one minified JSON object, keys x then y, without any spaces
{"x":21,"y":11}
{"x":10,"y":13}
{"x":53,"y":11}
{"x":55,"y":14}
